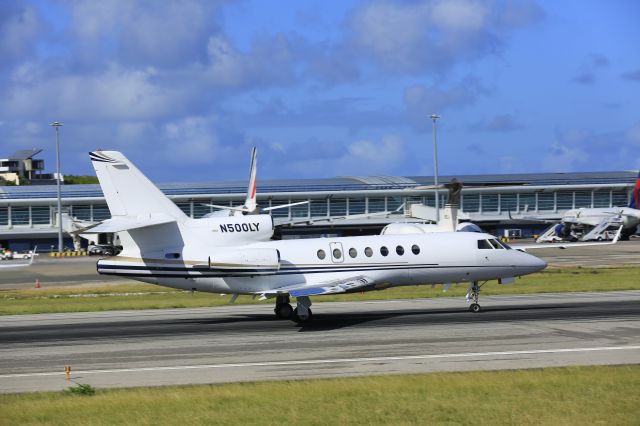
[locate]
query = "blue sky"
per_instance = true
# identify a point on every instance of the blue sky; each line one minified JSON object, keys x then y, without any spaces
{"x":324,"y":88}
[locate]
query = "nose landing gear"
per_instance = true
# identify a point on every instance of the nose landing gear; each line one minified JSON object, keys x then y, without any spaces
{"x":473,"y":296}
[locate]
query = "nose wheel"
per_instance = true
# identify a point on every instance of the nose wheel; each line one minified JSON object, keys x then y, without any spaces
{"x":473,"y":296}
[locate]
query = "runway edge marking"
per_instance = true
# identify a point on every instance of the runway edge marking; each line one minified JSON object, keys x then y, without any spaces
{"x":331,"y":361}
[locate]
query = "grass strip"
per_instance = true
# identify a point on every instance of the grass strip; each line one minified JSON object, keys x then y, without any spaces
{"x":145,"y":296}
{"x":553,"y":396}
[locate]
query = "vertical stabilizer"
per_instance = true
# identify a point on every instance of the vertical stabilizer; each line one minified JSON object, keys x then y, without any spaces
{"x":250,"y":202}
{"x":635,"y":195}
{"x":127,"y":191}
{"x":449,"y":218}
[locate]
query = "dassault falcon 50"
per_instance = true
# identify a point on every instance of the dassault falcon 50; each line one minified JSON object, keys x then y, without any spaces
{"x":236,"y":255}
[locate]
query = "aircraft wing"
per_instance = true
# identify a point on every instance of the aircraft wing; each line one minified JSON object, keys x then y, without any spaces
{"x":525,"y":247}
{"x":345,"y":285}
{"x":21,"y":265}
{"x":124,"y":223}
{"x":534,"y":218}
{"x":18,"y":265}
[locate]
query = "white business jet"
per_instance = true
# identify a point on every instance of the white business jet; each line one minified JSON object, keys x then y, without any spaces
{"x":235,"y":254}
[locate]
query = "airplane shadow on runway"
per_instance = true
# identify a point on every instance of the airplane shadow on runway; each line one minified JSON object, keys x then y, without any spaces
{"x":339,"y":320}
{"x":266,"y":322}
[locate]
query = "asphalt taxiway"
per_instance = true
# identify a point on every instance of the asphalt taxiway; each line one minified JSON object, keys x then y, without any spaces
{"x":246,"y":343}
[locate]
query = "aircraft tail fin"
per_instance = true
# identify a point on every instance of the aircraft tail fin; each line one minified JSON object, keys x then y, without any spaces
{"x":449,"y":217}
{"x":127,"y":191}
{"x":250,"y":201}
{"x":635,"y":195}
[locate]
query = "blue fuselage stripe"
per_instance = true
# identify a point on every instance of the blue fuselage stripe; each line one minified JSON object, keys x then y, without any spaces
{"x":204,"y":273}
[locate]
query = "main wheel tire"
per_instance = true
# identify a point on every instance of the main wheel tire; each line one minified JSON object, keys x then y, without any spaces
{"x":283,"y":311}
{"x":475,"y":308}
{"x":299,"y":320}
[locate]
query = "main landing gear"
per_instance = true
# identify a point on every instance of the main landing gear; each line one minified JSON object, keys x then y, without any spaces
{"x":301,"y":314}
{"x":283,"y":309}
{"x":473,"y":296}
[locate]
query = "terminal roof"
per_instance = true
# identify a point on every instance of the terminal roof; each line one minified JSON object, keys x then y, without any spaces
{"x":338,"y":184}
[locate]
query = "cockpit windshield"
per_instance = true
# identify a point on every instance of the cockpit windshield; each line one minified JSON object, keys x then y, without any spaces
{"x":492,"y":244}
{"x":495,"y":244}
{"x":505,"y":245}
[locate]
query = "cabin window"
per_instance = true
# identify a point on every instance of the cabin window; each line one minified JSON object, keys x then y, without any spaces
{"x":484,"y":244}
{"x":172,"y":256}
{"x":415,"y":249}
{"x":321,"y":254}
{"x":400,"y":250}
{"x":353,"y":252}
{"x":384,"y":251}
{"x":337,"y":254}
{"x":368,"y":252}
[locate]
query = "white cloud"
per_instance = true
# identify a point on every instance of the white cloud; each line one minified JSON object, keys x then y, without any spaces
{"x":361,"y":157}
{"x":632,"y":135}
{"x":116,"y":94}
{"x":269,"y":61}
{"x":19,"y":26}
{"x":383,"y":155}
{"x":421,"y":101}
{"x":144,"y":31}
{"x":424,"y":35}
{"x":562,"y":157}
{"x":390,"y":31}
{"x":460,"y":15}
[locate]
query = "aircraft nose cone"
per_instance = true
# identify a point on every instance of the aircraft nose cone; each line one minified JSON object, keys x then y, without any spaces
{"x":536,"y":264}
{"x":540,"y":264}
{"x":531,"y":263}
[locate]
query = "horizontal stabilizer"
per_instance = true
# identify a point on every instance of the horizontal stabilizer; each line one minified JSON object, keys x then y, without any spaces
{"x":126,"y":223}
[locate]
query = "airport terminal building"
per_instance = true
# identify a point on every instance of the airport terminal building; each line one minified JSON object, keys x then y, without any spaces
{"x":28,"y":213}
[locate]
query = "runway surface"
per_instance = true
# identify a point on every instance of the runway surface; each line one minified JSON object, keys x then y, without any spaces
{"x":246,"y":343}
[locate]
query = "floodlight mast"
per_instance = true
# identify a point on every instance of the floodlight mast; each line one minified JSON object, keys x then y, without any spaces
{"x":435,"y":117}
{"x":57,"y":126}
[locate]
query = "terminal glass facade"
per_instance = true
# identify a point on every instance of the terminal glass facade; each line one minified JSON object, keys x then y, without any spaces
{"x":479,"y":203}
{"x":40,"y":216}
{"x":4,"y":216}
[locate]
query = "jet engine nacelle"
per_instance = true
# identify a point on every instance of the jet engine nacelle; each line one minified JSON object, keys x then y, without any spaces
{"x":425,"y":228}
{"x":409,"y":228}
{"x":252,"y":259}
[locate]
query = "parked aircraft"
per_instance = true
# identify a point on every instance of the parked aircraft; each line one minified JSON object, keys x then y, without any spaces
{"x":250,"y":205}
{"x":592,"y":223}
{"x":448,"y":219}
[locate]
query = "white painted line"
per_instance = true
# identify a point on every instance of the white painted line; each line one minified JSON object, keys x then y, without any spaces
{"x":332,"y":361}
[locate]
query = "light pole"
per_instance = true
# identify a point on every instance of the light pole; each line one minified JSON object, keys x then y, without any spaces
{"x":434,"y":117}
{"x":57,"y":126}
